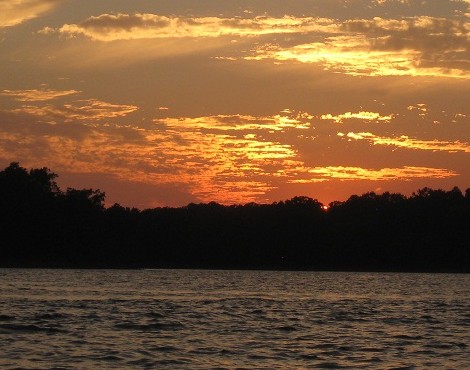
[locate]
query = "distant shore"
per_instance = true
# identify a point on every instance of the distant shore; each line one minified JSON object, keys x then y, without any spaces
{"x":44,"y":227}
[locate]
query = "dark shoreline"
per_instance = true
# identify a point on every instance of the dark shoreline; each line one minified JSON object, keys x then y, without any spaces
{"x":444,"y":272}
{"x":43,"y":226}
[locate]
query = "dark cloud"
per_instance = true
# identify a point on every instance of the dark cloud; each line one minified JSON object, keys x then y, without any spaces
{"x":442,"y":42}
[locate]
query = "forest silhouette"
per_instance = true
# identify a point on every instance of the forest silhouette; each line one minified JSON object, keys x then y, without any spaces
{"x":43,"y":226}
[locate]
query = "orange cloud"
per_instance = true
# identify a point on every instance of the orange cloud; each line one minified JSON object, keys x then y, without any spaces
{"x":215,"y":164}
{"x":359,"y":173}
{"x":37,"y":95}
{"x":111,"y":27}
{"x":417,"y":46}
{"x":407,"y":46}
{"x":226,"y":158}
{"x":365,"y":116}
{"x":352,"y":55}
{"x":224,"y":165}
{"x":90,"y":109}
{"x":421,"y":108}
{"x":410,"y":143}
{"x":14,"y":12}
{"x":238,"y":122}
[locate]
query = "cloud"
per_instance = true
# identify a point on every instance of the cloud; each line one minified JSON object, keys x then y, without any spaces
{"x":14,"y":12}
{"x":421,"y":108}
{"x":359,"y":173}
{"x":225,"y":165}
{"x":401,"y":46}
{"x":410,"y":143}
{"x":226,"y":158}
{"x":112,"y":27}
{"x":220,"y":167}
{"x":37,"y":95}
{"x":238,"y":122}
{"x":365,"y":116}
{"x":418,"y":46}
{"x":90,"y":109}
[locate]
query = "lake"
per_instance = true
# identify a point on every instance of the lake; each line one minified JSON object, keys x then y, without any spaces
{"x":189,"y":319}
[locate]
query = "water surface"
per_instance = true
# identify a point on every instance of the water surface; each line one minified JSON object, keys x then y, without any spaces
{"x":187,"y":319}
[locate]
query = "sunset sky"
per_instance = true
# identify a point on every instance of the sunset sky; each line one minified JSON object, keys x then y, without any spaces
{"x":164,"y":102}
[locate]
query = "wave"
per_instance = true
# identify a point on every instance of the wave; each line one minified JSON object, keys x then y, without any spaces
{"x":29,"y":329}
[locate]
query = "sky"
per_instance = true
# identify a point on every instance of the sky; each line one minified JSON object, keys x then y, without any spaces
{"x":165,"y":103}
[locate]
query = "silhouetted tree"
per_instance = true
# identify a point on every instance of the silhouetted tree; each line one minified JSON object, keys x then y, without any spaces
{"x":42,"y":226}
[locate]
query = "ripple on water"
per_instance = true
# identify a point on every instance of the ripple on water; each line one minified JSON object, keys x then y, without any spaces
{"x":28,"y":329}
{"x":165,"y":349}
{"x":163,"y":362}
{"x":50,"y":316}
{"x":109,"y":358}
{"x":192,"y":319}
{"x":328,"y":365}
{"x":155,"y":315}
{"x":158,"y":326}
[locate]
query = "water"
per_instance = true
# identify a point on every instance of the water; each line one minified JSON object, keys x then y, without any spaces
{"x":177,"y":319}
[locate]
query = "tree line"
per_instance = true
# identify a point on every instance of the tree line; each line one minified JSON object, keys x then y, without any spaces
{"x":43,"y":226}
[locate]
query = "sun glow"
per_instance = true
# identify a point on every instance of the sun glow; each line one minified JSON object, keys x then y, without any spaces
{"x":238,"y":104}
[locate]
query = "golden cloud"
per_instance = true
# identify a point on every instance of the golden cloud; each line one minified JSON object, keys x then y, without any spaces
{"x":218,"y":164}
{"x":214,"y":155}
{"x":418,"y":46}
{"x":412,"y":46}
{"x":14,"y":12}
{"x":420,"y":108}
{"x":238,"y":122}
{"x":90,"y":109}
{"x":410,"y":143}
{"x":362,"y":115}
{"x":110,"y":27}
{"x":224,"y":158}
{"x":352,"y":55}
{"x":359,"y":173}
{"x":37,"y":95}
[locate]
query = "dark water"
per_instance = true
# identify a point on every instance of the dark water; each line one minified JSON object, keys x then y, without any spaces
{"x":176,"y":319}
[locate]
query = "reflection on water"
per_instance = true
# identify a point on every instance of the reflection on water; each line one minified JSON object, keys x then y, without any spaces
{"x":180,"y":319}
